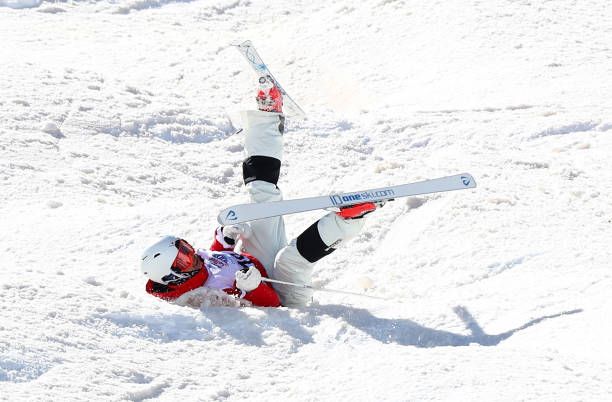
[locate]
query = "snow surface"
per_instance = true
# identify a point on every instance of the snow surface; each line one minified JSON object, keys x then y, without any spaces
{"x":114,"y":130}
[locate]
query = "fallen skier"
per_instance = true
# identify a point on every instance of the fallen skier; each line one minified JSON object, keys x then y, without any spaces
{"x":242,"y":254}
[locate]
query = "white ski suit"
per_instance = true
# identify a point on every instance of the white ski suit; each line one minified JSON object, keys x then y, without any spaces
{"x":285,"y":261}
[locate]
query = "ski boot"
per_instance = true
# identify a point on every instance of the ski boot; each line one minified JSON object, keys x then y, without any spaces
{"x":269,"y":97}
{"x":358,"y":211}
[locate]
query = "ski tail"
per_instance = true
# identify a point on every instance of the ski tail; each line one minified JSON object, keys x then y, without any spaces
{"x":247,"y":49}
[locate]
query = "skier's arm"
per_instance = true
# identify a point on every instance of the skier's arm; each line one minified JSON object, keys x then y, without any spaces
{"x":263,"y":296}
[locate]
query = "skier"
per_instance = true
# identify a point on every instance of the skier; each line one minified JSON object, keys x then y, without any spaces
{"x":241,"y":255}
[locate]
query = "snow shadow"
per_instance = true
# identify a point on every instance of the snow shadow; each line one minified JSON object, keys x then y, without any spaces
{"x":253,"y":326}
{"x":300,"y":325}
{"x":247,"y":327}
{"x":409,"y":333}
{"x":156,"y":326}
{"x":22,"y":368}
{"x":177,"y":126}
{"x":249,"y":330}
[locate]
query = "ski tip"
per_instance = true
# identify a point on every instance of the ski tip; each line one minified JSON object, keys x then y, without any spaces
{"x":467,"y":180}
{"x":241,"y":43}
{"x":228,"y":216}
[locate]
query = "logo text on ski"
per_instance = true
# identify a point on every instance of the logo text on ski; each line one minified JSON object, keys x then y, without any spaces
{"x":360,"y":197}
{"x":255,"y":211}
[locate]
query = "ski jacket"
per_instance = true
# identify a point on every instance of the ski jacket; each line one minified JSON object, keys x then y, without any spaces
{"x":221,"y":264}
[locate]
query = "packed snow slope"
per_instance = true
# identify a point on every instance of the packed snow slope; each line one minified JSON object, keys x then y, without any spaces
{"x":115,"y":129}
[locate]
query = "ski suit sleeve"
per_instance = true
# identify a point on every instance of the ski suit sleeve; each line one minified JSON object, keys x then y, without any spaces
{"x":263,"y":296}
{"x":221,"y":243}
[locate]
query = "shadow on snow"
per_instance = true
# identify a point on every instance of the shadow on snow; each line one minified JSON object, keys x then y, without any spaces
{"x":409,"y":333}
{"x":249,"y":327}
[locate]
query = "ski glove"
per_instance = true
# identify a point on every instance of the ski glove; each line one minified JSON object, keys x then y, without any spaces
{"x":248,"y":279}
{"x":232,"y":232}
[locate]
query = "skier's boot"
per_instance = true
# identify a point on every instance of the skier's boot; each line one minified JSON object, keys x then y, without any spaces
{"x":269,"y":97}
{"x":358,"y":211}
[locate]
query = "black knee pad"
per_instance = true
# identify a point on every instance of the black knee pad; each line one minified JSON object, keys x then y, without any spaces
{"x":259,"y":167}
{"x":311,"y":246}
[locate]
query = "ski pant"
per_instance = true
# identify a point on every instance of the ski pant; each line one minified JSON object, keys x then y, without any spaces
{"x":285,"y":261}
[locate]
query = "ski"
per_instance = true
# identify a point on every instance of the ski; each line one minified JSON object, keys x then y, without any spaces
{"x":247,"y":49}
{"x":250,"y":212}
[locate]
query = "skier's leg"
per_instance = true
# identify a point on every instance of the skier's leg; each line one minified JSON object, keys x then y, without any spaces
{"x":294,"y":263}
{"x":261,"y":170}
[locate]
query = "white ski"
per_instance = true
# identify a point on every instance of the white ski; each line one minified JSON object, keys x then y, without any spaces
{"x":250,"y":212}
{"x":247,"y":49}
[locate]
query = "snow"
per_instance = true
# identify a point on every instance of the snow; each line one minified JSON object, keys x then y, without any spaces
{"x":116,"y":128}
{"x":18,"y":4}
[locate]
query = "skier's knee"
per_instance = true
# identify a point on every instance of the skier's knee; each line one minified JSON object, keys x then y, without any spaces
{"x":263,"y":168}
{"x":324,"y":236}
